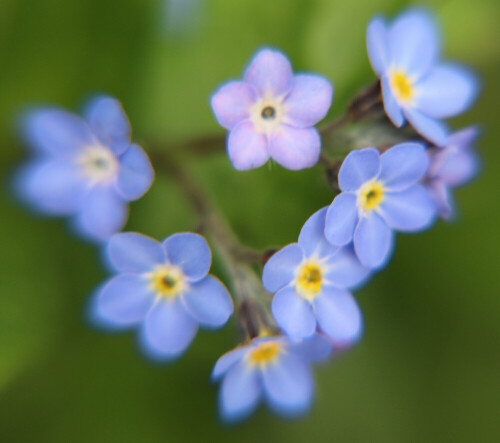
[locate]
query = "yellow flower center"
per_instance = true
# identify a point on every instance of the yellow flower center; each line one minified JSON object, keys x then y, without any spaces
{"x":167,"y":281}
{"x":309,"y":280}
{"x":98,"y":163}
{"x":402,"y":86}
{"x":370,"y":195}
{"x":264,"y":353}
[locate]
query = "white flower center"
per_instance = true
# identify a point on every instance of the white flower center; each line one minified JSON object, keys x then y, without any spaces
{"x":98,"y":164}
{"x":267,"y":114}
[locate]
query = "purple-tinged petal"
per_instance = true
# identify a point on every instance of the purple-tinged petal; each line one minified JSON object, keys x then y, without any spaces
{"x":341,"y":219}
{"x":294,"y":148}
{"x":391,"y":105}
{"x":345,"y":269}
{"x":360,"y":166}
{"x":227,"y":361}
{"x":428,"y":127}
{"x":459,"y":167}
{"x":408,"y":210}
{"x":232,"y":102}
{"x":168,"y":330}
{"x":279,"y":270}
{"x":312,"y":236}
{"x":442,"y":198}
{"x":240,"y":392}
{"x":270,"y":72}
{"x":463,"y":138}
{"x":134,"y":253}
{"x":309,"y":100}
{"x":209,"y":302}
{"x":246,"y":147}
{"x":414,"y":41}
{"x":125,"y":300}
{"x":293,"y":314}
{"x":135,"y":174}
{"x":190,"y":252}
{"x":57,"y":132}
{"x":312,"y":349}
{"x":338,"y":315}
{"x":447,"y":90}
{"x":403,"y":165}
{"x":373,"y":241}
{"x":378,"y":45}
{"x":288,"y":385}
{"x":109,"y":122}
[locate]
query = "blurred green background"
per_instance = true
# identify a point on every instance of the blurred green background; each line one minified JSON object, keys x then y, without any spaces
{"x":428,"y":368}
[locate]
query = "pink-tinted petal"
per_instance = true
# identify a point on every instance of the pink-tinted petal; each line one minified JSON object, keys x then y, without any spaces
{"x":247,"y":148}
{"x":295,"y":148}
{"x":231,"y":103}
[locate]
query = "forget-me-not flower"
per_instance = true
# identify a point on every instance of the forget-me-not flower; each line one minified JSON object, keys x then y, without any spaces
{"x":310,"y":280}
{"x":272,"y":113}
{"x":274,"y":369}
{"x":453,"y":165}
{"x":164,"y":289}
{"x":86,"y":169}
{"x":416,"y":86}
{"x":380,"y":193}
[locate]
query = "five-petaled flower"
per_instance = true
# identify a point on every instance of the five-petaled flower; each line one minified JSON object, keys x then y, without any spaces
{"x":380,"y":193}
{"x":87,"y":170}
{"x":163,"y":288}
{"x":310,"y":280}
{"x":415,"y":85}
{"x":271,"y":113}
{"x":275,"y":369}
{"x":453,"y":165}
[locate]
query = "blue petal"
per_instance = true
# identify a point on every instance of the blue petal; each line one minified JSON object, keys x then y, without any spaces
{"x":378,"y":45}
{"x":246,"y":147}
{"x":227,"y":361}
{"x":109,"y":122}
{"x":359,"y":166}
{"x":429,"y":128}
{"x":134,"y":253}
{"x":463,"y":138}
{"x":125,"y":300}
{"x":403,"y":165}
{"x":209,"y":302}
{"x":103,"y":213}
{"x":391,"y":105}
{"x":409,"y":210}
{"x":279,"y":270}
{"x":312,"y":235}
{"x":190,"y":252}
{"x":135,"y":174}
{"x":232,"y":103}
{"x":414,"y":41}
{"x":338,"y":315}
{"x":447,"y":90}
{"x":443,"y":199}
{"x":373,"y":241}
{"x":57,"y":132}
{"x":293,"y":314}
{"x":312,"y":349}
{"x":168,"y":330}
{"x":458,"y":167}
{"x":346,"y":271}
{"x":240,"y":392}
{"x":288,"y":385}
{"x":341,"y":219}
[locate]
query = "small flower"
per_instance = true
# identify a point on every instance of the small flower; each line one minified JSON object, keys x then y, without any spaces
{"x":271,"y":113}
{"x":274,"y":369}
{"x":380,"y":193}
{"x":310,"y":280}
{"x":416,"y":86}
{"x":453,"y":165}
{"x":164,"y":289}
{"x":87,"y":170}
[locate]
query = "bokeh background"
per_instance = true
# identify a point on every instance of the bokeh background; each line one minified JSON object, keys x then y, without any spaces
{"x":428,"y":368}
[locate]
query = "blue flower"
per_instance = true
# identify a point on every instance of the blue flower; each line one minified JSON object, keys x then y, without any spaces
{"x":416,"y":86}
{"x":310,"y":280}
{"x":274,"y":369}
{"x":453,"y":165}
{"x":271,"y":113}
{"x":164,"y":289}
{"x":380,"y":193}
{"x":87,"y":170}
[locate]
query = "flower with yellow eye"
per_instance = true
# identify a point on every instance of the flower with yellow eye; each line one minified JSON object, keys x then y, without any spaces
{"x":272,"y":113}
{"x":310,"y":281}
{"x":380,"y":193}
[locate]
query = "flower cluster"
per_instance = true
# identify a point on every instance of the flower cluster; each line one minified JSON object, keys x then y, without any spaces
{"x":302,"y":310}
